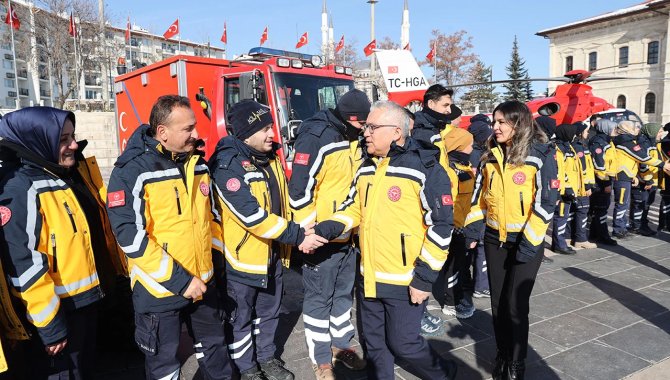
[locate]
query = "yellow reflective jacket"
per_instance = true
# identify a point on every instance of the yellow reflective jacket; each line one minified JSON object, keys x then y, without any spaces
{"x":164,"y":221}
{"x":517,"y":201}
{"x":403,"y":207}
{"x":604,"y":158}
{"x":629,"y":155}
{"x":648,"y":174}
{"x":245,"y":204}
{"x":568,"y":164}
{"x":323,"y":168}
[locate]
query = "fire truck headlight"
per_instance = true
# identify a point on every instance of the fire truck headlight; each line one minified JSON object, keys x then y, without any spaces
{"x":283,"y":62}
{"x":348,"y":71}
{"x":296,"y":63}
{"x":316,"y":60}
{"x":339,"y":70}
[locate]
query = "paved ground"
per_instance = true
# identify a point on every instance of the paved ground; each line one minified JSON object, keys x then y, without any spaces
{"x":601,"y":314}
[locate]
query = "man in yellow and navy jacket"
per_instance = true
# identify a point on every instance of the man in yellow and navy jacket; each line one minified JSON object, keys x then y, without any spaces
{"x":326,"y":158}
{"x":568,"y":161}
{"x":644,"y":194}
{"x":604,"y":161}
{"x":252,"y":198}
{"x":161,"y":208}
{"x":55,"y":251}
{"x":401,"y":202}
{"x":583,"y":189}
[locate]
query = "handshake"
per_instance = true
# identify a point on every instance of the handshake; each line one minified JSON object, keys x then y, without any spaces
{"x":312,"y":241}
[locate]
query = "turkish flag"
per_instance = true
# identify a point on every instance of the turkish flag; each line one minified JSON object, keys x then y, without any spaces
{"x":407,"y":47}
{"x":393,"y":69}
{"x":302,"y":41}
{"x":264,"y":36}
{"x":369,"y":48}
{"x":340,"y":45}
{"x":172,"y":31}
{"x":12,"y":19}
{"x":128,"y":31}
{"x":224,"y":36}
{"x":431,"y":54}
{"x":72,"y":29}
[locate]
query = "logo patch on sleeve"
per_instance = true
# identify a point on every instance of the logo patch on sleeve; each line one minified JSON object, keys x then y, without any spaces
{"x":555,"y":184}
{"x":204,"y":188}
{"x":447,"y":200}
{"x":519,"y":178}
{"x":580,"y":154}
{"x":394,"y":193}
{"x":5,"y":215}
{"x":599,"y":151}
{"x":301,"y":159}
{"x":116,"y":199}
{"x":233,"y":184}
{"x":637,"y":148}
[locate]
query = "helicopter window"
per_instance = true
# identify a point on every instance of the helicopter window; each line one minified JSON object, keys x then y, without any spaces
{"x":652,"y":53}
{"x":621,"y":101}
{"x":593,"y":61}
{"x":623,"y":56}
{"x":650,"y":103}
{"x":568,"y":63}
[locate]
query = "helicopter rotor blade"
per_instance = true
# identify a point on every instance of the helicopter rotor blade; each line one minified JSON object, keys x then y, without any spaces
{"x":593,"y":79}
{"x":554,"y":79}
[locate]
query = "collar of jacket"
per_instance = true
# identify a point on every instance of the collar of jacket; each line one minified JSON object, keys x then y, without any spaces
{"x":423,"y":120}
{"x":240,"y":148}
{"x":141,"y":142}
{"x":438,"y":120}
{"x":345,"y":129}
{"x":565,"y":147}
{"x":622,"y":139}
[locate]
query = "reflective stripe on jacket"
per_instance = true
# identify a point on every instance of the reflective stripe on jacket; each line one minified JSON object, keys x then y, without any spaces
{"x":604,"y":157}
{"x":629,"y":155}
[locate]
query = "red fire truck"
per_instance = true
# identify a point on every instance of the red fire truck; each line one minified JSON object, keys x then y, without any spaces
{"x":295,"y":86}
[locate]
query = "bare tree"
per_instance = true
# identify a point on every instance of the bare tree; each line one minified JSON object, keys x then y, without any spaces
{"x":348,"y":56}
{"x":388,"y":44}
{"x":454,"y":57}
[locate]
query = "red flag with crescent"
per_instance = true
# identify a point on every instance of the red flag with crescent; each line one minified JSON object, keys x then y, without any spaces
{"x":12,"y":19}
{"x":431,"y":54}
{"x":128,"y":31}
{"x":224,"y":36}
{"x":72,"y":29}
{"x":302,"y":41}
{"x":264,"y":36}
{"x":340,"y":45}
{"x":172,"y":31}
{"x":370,"y":48}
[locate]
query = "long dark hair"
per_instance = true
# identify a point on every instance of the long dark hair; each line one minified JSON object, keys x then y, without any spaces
{"x":526,"y":132}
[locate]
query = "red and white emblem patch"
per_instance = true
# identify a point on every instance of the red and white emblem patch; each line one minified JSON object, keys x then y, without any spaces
{"x":580,"y":154}
{"x":204,"y":188}
{"x":301,"y":159}
{"x":447,"y":200}
{"x":519,"y":178}
{"x":637,"y":148}
{"x":116,"y":199}
{"x":394,"y":193}
{"x":5,"y":215}
{"x":233,"y":184}
{"x":555,"y":184}
{"x":599,"y":151}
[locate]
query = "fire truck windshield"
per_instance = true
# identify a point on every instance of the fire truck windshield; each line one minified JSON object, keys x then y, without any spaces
{"x":301,"y":96}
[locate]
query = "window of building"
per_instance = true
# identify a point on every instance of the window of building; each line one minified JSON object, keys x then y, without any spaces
{"x":652,"y":53}
{"x":7,"y":64}
{"x":650,"y":103}
{"x":621,"y":101}
{"x":9,"y":83}
{"x":90,"y":94}
{"x":568,"y":63}
{"x":10,"y":102}
{"x":593,"y":61}
{"x":623,"y":56}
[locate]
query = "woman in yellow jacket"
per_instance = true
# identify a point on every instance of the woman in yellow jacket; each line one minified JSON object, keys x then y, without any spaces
{"x":568,"y":160}
{"x":516,"y":188}
{"x":579,"y":215}
{"x":58,"y":250}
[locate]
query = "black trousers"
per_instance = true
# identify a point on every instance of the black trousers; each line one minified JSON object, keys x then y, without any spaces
{"x":453,"y":269}
{"x":600,"y":203}
{"x":157,"y":335}
{"x":511,"y":283}
{"x":391,"y":328}
{"x":77,"y":360}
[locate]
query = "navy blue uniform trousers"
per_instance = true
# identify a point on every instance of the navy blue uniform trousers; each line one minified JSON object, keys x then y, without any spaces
{"x":621,"y":204}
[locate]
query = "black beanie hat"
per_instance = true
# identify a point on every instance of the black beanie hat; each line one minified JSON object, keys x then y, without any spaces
{"x":248,"y":117}
{"x":354,"y":106}
{"x":480,"y":130}
{"x":547,"y":124}
{"x":454,"y":114}
{"x":666,"y":127}
{"x":581,"y":127}
{"x":481,"y":117}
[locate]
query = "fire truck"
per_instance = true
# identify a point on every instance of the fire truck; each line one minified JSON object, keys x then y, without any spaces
{"x":295,"y":86}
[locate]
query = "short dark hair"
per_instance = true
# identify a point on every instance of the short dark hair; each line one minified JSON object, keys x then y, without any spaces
{"x":435,"y":92}
{"x":161,"y":110}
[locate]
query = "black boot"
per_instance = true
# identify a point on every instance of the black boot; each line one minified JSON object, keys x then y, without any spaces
{"x":516,"y":369}
{"x":500,"y":368}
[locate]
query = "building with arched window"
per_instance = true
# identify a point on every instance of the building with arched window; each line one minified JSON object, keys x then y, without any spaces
{"x":631,"y":42}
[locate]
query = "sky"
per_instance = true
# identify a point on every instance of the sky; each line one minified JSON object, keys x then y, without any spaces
{"x":491,"y":23}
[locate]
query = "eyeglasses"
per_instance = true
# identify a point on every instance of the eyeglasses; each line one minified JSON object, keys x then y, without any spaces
{"x":373,"y":127}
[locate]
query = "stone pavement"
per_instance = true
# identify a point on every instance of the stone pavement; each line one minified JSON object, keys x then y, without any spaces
{"x":600,"y":314}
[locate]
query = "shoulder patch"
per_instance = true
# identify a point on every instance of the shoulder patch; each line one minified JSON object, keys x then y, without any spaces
{"x":599,"y":150}
{"x":116,"y":199}
{"x":519,"y":178}
{"x":204,"y":188}
{"x":233,"y":184}
{"x":301,"y":159}
{"x":5,"y":215}
{"x":447,"y":200}
{"x":394,"y":193}
{"x":637,"y":148}
{"x":555,"y":184}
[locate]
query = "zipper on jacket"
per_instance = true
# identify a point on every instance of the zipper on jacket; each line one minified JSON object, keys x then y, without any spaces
{"x":367,"y":190}
{"x":265,"y":201}
{"x":165,"y":245}
{"x":69,"y":213}
{"x":402,"y":248}
{"x":53,"y":246}
{"x":491,"y":180}
{"x":176,"y":192}
{"x":523,"y":213}
{"x":239,"y":246}
{"x":334,"y":207}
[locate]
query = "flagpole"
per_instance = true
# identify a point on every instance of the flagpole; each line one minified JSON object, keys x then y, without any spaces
{"x":435,"y":61}
{"x":179,"y":37}
{"x":11,"y":29}
{"x":130,"y":54}
{"x":76,"y":62}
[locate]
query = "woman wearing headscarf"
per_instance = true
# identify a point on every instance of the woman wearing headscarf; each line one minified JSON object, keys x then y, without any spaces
{"x":603,"y":155}
{"x":583,"y":190}
{"x":629,"y":155}
{"x":644,"y":194}
{"x":516,"y":188}
{"x":61,"y":258}
{"x":567,"y":159}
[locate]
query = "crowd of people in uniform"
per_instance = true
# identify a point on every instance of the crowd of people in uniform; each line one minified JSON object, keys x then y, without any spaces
{"x":381,"y":203}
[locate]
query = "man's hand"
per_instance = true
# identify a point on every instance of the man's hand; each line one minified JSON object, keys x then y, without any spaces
{"x":588,"y":192}
{"x":417,"y":296}
{"x":311,"y":243}
{"x":648,"y":187}
{"x":56,"y":348}
{"x":473,"y":245}
{"x":608,"y":189}
{"x":309,"y":229}
{"x":636,"y":181}
{"x":666,"y":167}
{"x":195,"y":289}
